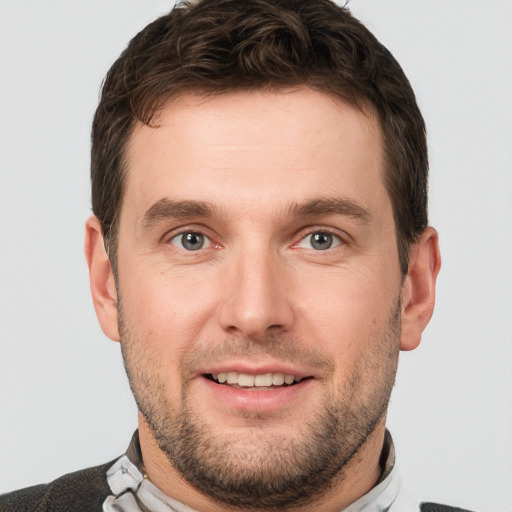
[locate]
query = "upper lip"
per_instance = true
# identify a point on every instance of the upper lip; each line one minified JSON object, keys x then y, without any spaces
{"x":254,"y":369}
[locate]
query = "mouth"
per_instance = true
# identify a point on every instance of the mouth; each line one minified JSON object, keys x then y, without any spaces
{"x":260,"y":382}
{"x":257,"y":390}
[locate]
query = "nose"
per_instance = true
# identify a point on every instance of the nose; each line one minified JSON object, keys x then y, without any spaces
{"x":257,"y":298}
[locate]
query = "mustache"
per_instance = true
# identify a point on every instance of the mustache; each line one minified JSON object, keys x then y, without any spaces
{"x":276,"y":347}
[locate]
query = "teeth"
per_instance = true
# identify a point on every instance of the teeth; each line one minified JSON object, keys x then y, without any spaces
{"x":244,"y":379}
{"x":264,"y":380}
{"x":232,"y":378}
{"x":278,"y":379}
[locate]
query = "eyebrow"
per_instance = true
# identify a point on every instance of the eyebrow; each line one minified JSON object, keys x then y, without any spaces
{"x":331,"y":206}
{"x":168,"y":209}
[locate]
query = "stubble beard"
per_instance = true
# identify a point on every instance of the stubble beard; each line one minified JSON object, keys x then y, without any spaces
{"x":265,"y":471}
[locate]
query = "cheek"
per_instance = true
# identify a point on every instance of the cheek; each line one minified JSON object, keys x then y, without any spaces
{"x":167,"y":310}
{"x":347,"y":310}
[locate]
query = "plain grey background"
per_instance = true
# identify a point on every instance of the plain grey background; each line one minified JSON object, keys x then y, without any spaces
{"x":64,"y":399}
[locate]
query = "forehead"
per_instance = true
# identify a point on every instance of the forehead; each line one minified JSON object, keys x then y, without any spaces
{"x":259,"y":147}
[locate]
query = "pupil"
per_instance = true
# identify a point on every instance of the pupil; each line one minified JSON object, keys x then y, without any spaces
{"x":321,"y":241}
{"x":192,"y":241}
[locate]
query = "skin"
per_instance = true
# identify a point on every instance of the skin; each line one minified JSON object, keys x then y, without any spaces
{"x":272,"y":168}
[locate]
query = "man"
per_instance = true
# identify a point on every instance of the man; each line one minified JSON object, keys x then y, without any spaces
{"x":260,"y":248}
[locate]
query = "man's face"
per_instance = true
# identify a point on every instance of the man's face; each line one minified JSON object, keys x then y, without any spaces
{"x":257,"y":248}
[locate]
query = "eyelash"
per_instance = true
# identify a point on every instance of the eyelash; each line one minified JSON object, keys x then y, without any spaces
{"x":183,"y":233}
{"x":336,"y":240}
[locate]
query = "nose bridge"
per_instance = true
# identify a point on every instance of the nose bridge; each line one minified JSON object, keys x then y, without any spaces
{"x":256,"y":301}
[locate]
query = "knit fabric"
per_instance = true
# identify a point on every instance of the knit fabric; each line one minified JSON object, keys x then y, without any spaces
{"x":82,"y":491}
{"x":435,"y":507}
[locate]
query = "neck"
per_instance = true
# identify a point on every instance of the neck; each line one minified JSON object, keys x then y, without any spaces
{"x":358,"y":477}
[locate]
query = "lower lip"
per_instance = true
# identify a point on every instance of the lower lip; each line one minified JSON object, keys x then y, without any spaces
{"x":258,"y":400}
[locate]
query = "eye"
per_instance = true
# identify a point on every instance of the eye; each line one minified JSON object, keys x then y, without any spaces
{"x":190,"y":241}
{"x":320,"y":241}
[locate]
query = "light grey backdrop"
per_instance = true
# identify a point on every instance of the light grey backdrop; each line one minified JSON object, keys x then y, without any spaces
{"x":64,"y":399}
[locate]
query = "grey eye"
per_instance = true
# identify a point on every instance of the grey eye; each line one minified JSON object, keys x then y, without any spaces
{"x":190,"y":241}
{"x":320,"y":241}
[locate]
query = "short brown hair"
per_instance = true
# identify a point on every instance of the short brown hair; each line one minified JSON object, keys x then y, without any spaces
{"x":213,"y":46}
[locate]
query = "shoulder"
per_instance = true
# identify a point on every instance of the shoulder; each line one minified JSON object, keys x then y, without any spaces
{"x":82,"y":491}
{"x":436,"y":507}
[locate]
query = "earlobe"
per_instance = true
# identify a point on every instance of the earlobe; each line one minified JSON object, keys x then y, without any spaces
{"x":101,"y":279}
{"x":418,"y":291}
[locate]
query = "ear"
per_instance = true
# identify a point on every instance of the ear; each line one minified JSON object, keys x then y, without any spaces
{"x":101,"y":278}
{"x":418,"y":291}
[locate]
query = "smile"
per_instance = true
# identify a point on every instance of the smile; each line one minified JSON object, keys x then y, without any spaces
{"x":262,"y":381}
{"x":258,"y":391}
